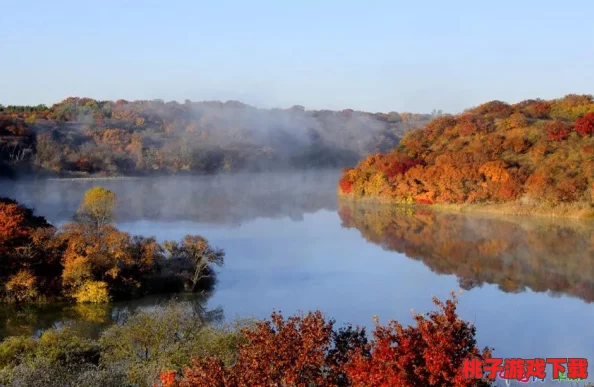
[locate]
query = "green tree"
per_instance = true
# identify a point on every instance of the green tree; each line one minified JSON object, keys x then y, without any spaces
{"x":195,"y":256}
{"x":168,"y":337}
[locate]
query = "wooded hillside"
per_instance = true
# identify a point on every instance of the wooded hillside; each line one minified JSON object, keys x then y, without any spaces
{"x":85,"y":136}
{"x":534,"y":151}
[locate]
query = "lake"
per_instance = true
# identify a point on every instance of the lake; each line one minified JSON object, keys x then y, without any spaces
{"x":527,"y":284}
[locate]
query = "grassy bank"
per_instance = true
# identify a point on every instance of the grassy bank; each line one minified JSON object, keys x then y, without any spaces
{"x":564,"y":210}
{"x":576,"y":210}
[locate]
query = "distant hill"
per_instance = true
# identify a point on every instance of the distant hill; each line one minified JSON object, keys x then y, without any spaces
{"x":85,"y":136}
{"x":534,"y":152}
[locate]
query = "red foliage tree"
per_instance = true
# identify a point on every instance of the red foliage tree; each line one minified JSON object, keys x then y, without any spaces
{"x":166,"y":379}
{"x":298,"y":351}
{"x":17,"y":223}
{"x":83,"y":164}
{"x":430,"y":354}
{"x":558,"y":131}
{"x":436,"y":127}
{"x":395,"y":165}
{"x":290,"y":352}
{"x":12,"y":219}
{"x":494,"y":109}
{"x":537,"y":109}
{"x":209,"y":372}
{"x":585,"y":125}
{"x":24,"y":246}
{"x":470,"y":124}
{"x":305,"y":351}
{"x":346,"y":184}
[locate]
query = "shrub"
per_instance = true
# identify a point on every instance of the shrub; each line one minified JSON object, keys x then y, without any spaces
{"x":22,"y":286}
{"x":167,"y":337}
{"x":15,"y":349}
{"x":93,"y":292}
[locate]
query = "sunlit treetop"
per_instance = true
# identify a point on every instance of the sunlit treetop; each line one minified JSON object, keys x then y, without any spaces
{"x":97,"y":207}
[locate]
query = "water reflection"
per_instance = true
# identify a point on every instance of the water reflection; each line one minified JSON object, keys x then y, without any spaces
{"x":90,"y":319}
{"x":516,"y":254}
{"x":282,"y":256}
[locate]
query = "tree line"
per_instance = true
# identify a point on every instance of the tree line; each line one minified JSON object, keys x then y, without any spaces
{"x":85,"y":136}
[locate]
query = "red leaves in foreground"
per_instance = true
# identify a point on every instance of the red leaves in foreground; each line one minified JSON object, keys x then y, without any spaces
{"x":167,"y":379}
{"x":306,"y":351}
{"x":290,"y":352}
{"x":429,"y":354}
{"x":297,"y":351}
{"x":209,"y":372}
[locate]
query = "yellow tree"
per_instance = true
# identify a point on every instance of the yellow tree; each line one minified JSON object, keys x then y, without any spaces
{"x":97,"y":208}
{"x":22,"y":286}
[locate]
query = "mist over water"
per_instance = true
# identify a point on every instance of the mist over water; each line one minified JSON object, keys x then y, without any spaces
{"x":82,"y":136}
{"x":528,"y":284}
{"x":223,"y":199}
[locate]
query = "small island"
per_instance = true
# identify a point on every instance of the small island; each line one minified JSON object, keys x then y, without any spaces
{"x":91,"y":261}
{"x":534,"y":157}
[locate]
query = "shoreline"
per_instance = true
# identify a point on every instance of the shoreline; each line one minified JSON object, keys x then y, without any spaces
{"x":92,"y":177}
{"x":578,"y":211}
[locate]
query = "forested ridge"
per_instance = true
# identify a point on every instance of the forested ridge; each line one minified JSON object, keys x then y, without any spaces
{"x":533,"y":152}
{"x":85,"y":136}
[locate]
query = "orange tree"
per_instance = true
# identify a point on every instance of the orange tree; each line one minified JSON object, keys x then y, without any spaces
{"x":28,"y":260}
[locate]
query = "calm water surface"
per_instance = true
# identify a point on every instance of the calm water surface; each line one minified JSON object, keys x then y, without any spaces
{"x":527,"y":284}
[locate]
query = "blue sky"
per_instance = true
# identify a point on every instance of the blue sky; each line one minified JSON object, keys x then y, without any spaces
{"x":364,"y":55}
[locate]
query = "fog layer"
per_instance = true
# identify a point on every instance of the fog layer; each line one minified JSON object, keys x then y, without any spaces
{"x":222,"y":199}
{"x":84,"y":136}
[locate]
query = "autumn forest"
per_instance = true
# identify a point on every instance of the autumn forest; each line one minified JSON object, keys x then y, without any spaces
{"x":83,"y":136}
{"x":535,"y":152}
{"x":296,"y":194}
{"x":394,"y":177}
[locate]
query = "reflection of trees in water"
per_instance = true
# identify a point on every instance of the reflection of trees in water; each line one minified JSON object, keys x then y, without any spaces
{"x":90,"y":319}
{"x":226,"y":199}
{"x":516,"y":254}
